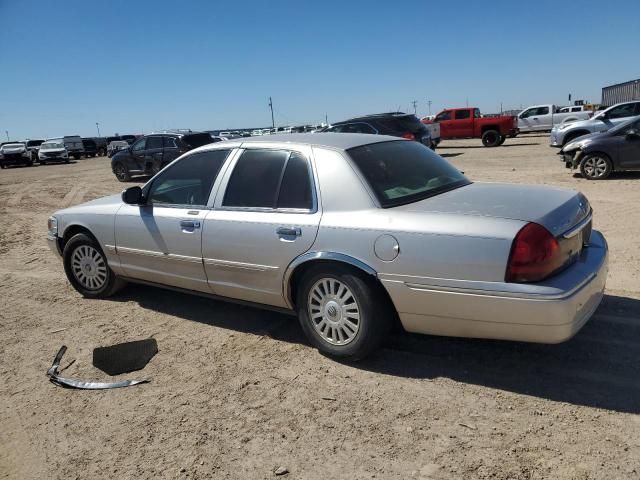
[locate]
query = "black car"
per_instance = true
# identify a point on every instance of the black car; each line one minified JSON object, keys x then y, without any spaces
{"x":90,"y":147}
{"x":396,"y":124}
{"x":33,"y":146}
{"x":599,"y":154}
{"x":149,"y":154}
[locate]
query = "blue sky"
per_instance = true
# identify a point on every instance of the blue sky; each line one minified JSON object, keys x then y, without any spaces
{"x":138,"y":66}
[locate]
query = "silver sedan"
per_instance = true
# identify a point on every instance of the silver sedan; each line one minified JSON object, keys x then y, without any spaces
{"x":351,"y":232}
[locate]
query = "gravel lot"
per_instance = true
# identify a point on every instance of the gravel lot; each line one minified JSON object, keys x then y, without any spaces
{"x":236,"y":392}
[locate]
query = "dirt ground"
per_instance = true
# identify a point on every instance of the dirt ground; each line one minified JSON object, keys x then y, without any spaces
{"x":236,"y":392}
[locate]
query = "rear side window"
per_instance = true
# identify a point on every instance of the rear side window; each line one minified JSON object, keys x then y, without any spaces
{"x":154,"y":142}
{"x":403,"y":172}
{"x":195,"y":140}
{"x":188,"y":181}
{"x":170,"y":142}
{"x":270,"y":179}
{"x":295,"y":190}
{"x":462,"y":114}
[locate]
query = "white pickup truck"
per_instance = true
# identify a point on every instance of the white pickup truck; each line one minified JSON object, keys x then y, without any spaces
{"x":542,"y":118}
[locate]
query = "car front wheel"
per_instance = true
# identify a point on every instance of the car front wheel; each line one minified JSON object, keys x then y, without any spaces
{"x":87,"y":270}
{"x":342,"y":312}
{"x":595,"y":166}
{"x":121,"y":172}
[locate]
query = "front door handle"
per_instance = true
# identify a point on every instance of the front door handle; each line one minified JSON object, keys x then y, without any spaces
{"x":289,"y":232}
{"x":192,"y":224}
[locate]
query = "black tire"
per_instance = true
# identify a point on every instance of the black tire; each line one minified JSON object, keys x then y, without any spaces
{"x":121,"y":172}
{"x":3,"y":166}
{"x":76,"y":156}
{"x":106,"y":282}
{"x":43,"y":162}
{"x":491,"y":138}
{"x":375,"y":314}
{"x":66,"y":160}
{"x":502,"y":139}
{"x":596,"y":166}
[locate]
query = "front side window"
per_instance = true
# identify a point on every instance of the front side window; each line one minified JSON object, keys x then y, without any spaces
{"x":139,"y":145}
{"x":443,"y":116}
{"x":188,"y":181}
{"x":462,"y":114}
{"x":476,"y":113}
{"x":403,"y":172}
{"x":627,"y":110}
{"x":270,"y":179}
{"x":170,"y":142}
{"x":154,"y":143}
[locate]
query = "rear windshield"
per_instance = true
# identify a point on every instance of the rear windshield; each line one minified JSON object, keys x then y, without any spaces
{"x":34,"y":143}
{"x":403,"y":171}
{"x":197,"y":139}
{"x":403,"y":123}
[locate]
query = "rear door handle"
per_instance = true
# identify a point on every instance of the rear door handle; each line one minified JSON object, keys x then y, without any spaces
{"x":192,"y":224}
{"x":289,"y":232}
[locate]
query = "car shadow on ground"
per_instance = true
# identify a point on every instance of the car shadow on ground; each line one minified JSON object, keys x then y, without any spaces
{"x":451,"y":155}
{"x":613,"y":176}
{"x":600,"y":367}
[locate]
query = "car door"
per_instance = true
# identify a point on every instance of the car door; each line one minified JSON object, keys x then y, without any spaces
{"x":462,"y":124}
{"x":138,"y":155}
{"x":161,"y":240}
{"x":445,"y":119}
{"x":153,"y":154}
{"x":628,"y":150}
{"x":265,"y":215}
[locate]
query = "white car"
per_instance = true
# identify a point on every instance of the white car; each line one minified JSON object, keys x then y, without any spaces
{"x":15,"y":153}
{"x":52,"y":151}
{"x":542,"y":118}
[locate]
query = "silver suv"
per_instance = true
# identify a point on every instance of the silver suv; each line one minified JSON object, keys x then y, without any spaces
{"x":601,"y":122}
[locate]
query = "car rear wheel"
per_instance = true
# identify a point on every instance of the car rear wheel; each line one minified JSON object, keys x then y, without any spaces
{"x":43,"y":162}
{"x":87,"y":270}
{"x":595,"y":166}
{"x":341,"y":312}
{"x":491,"y":138}
{"x":121,"y":172}
{"x":502,"y":139}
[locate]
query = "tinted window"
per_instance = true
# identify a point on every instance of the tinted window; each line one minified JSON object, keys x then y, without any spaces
{"x":295,"y":190}
{"x":189,"y":181}
{"x":154,"y":142}
{"x":476,"y":113}
{"x":402,"y":172}
{"x":140,"y":145}
{"x":443,"y":116}
{"x":462,"y":114}
{"x":170,"y":142}
{"x":255,"y":179}
{"x":622,"y":111}
{"x":197,"y":139}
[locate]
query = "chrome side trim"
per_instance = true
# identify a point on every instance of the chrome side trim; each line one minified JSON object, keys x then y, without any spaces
{"x":239,"y":265}
{"x":498,"y":293}
{"x":310,"y":256}
{"x":154,"y":254}
{"x":575,"y":230}
{"x":110,"y":248}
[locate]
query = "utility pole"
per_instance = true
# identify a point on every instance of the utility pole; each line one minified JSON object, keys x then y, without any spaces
{"x":273,"y":122}
{"x":415,"y":103}
{"x":429,"y":104}
{"x":7,"y":132}
{"x":326,"y":119}
{"x":97,"y":126}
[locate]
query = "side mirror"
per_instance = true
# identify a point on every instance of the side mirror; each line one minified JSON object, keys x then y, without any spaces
{"x":633,"y":134}
{"x":132,"y":196}
{"x":603,"y":116}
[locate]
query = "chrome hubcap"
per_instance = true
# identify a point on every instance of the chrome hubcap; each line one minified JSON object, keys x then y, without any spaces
{"x":334,"y":311}
{"x":89,"y":267}
{"x":595,"y":167}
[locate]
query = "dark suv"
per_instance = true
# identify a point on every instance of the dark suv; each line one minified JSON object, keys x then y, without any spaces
{"x":396,"y":124}
{"x":149,"y":154}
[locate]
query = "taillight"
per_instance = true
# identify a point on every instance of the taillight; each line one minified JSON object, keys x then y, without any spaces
{"x":535,"y":254}
{"x":409,"y":136}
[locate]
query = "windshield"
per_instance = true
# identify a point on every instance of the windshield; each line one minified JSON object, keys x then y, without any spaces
{"x":51,"y":145}
{"x":34,"y":143}
{"x":404,"y":171}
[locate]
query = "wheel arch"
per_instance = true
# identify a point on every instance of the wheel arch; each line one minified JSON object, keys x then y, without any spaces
{"x":72,"y":230}
{"x":599,"y":152}
{"x":297,"y":267}
{"x":569,"y":136}
{"x":486,"y":128}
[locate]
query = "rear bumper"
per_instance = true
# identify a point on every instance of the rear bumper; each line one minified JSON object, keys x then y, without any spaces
{"x":549,"y":312}
{"x":513,"y":132}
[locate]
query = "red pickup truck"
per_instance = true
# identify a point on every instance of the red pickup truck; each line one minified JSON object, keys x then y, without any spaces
{"x":468,"y":123}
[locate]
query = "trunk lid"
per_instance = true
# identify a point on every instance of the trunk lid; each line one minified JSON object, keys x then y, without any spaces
{"x":558,"y":210}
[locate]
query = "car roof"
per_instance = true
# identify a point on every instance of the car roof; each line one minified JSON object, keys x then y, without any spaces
{"x":375,"y":116}
{"x":341,"y":141}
